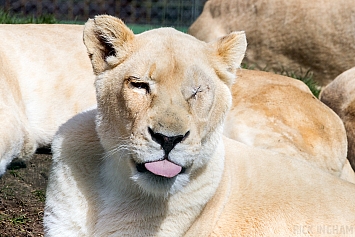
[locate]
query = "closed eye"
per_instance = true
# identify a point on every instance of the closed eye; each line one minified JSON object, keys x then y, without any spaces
{"x":196,"y":91}
{"x":140,"y":85}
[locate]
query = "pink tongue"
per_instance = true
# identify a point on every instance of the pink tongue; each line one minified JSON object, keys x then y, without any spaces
{"x":163,"y":168}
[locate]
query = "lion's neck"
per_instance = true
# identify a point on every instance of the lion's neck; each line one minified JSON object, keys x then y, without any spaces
{"x":126,"y":211}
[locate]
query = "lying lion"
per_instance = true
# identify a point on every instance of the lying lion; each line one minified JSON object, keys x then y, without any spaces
{"x":35,"y":102}
{"x":277,"y":113}
{"x":45,"y":79}
{"x":340,"y":96}
{"x":151,"y":160}
{"x":297,"y":34}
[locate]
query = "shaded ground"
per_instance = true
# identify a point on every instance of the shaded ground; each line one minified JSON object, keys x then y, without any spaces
{"x":22,"y":196}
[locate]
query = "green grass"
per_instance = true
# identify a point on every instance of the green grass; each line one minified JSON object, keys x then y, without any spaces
{"x":20,"y":220}
{"x":40,"y":195}
{"x":8,"y":18}
{"x":7,"y":192}
{"x":15,"y":173}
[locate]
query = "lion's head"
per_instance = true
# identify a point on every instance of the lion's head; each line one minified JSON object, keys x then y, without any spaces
{"x":162,"y":99}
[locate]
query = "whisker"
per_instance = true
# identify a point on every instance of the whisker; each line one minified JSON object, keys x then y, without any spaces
{"x":116,"y":150}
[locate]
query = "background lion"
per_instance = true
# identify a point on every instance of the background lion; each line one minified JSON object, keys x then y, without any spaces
{"x":340,"y":96}
{"x":292,"y":35}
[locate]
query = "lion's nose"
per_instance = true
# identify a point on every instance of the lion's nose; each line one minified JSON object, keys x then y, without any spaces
{"x":167,"y":143}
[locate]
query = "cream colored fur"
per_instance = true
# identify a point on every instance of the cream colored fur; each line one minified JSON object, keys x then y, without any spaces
{"x":45,"y":79}
{"x":340,"y":96}
{"x":163,"y":81}
{"x":278,"y":113}
{"x":297,"y":34}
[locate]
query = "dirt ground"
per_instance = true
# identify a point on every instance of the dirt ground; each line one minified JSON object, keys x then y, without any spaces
{"x":22,"y":196}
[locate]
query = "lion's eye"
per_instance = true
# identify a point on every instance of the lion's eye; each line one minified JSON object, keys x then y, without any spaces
{"x":141,"y":85}
{"x":196,"y":91}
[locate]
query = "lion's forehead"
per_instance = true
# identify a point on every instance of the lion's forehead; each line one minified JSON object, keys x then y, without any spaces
{"x":168,"y":44}
{"x":168,"y":56}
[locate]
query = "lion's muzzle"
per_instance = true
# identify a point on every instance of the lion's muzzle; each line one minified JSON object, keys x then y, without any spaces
{"x":164,"y":167}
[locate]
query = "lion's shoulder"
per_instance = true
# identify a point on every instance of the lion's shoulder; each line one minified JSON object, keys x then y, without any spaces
{"x":77,"y":137}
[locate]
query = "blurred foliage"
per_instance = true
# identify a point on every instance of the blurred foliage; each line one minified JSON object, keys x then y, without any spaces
{"x":8,"y":18}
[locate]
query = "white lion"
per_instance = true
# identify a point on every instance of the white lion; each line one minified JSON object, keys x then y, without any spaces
{"x":151,"y":159}
{"x":46,"y":79}
{"x":280,"y":114}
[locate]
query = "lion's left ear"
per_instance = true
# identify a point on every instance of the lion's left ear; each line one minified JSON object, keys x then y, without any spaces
{"x":108,"y":41}
{"x":228,"y":53}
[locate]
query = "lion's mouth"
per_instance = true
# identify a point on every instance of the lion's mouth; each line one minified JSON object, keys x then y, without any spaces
{"x":164,"y":168}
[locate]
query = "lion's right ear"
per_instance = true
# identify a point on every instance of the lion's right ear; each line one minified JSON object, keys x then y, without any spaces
{"x":108,"y":41}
